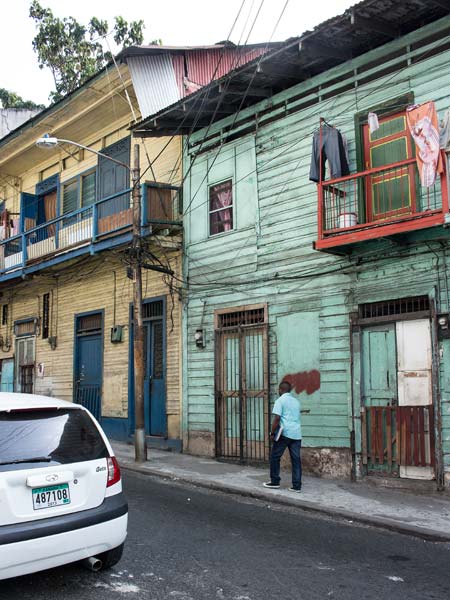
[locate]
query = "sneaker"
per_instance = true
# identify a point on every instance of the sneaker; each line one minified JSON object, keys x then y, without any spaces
{"x":273,"y":486}
{"x":292,"y":489}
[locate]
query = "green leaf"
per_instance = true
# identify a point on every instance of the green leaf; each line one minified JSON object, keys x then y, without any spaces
{"x":74,"y":52}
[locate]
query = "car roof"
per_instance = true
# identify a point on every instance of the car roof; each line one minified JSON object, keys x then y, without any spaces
{"x":13,"y":401}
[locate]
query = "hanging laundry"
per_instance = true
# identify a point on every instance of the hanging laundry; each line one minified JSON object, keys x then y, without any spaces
{"x":444,"y":130}
{"x":423,"y":124}
{"x":344,"y":140}
{"x":15,"y":226}
{"x":372,"y":119}
{"x":332,"y":149}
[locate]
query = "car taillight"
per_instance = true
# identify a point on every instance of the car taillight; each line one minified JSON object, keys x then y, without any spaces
{"x":113,"y":471}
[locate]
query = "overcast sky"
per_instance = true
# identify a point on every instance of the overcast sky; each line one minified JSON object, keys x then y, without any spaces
{"x":176,"y":22}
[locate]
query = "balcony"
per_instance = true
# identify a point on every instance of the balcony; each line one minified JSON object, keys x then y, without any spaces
{"x":104,"y":224}
{"x":378,"y":203}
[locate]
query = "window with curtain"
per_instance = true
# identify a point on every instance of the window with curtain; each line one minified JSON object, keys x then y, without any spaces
{"x":221,"y":207}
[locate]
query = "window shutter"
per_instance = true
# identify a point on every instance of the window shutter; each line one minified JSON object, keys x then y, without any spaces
{"x":88,"y":189}
{"x":70,"y":197}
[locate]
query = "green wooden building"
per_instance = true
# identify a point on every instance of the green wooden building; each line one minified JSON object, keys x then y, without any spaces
{"x":339,"y":286}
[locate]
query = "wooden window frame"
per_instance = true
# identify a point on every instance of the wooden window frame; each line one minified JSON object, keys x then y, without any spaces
{"x":243,"y":308}
{"x":78,"y":179}
{"x":384,"y":109}
{"x":222,"y":209}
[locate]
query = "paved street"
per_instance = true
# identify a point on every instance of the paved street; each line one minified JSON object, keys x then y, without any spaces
{"x":186,"y":543}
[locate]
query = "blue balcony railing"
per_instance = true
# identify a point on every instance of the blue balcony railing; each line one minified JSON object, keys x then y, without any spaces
{"x":104,"y":219}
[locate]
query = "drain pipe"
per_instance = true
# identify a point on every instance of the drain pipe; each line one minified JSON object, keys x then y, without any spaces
{"x":92,"y":563}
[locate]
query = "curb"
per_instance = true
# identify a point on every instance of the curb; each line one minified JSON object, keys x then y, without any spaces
{"x":430,"y":535}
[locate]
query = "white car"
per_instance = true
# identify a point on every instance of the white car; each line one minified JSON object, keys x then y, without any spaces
{"x":61,"y":496}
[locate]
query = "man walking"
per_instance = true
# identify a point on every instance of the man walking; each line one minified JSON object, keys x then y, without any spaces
{"x":286,"y":415}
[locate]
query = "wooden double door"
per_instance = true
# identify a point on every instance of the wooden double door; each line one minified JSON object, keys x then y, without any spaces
{"x":397,"y":418}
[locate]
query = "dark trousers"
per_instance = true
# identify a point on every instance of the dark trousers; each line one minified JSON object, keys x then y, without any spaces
{"x":278,"y":449}
{"x":333,"y":150}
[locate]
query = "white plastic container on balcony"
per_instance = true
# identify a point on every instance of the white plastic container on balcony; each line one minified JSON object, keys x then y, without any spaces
{"x":347,"y":219}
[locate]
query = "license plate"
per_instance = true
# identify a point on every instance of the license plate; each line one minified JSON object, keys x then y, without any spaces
{"x":53,"y":495}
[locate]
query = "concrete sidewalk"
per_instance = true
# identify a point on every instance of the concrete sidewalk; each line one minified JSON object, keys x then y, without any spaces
{"x":423,"y":515}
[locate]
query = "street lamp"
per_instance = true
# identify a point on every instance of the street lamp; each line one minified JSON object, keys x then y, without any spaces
{"x":140,"y":447}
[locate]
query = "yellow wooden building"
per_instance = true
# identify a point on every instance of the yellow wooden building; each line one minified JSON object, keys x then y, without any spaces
{"x":65,"y":290}
{"x":66,"y":230}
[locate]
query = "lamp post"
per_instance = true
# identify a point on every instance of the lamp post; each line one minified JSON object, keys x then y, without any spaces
{"x":138,"y":340}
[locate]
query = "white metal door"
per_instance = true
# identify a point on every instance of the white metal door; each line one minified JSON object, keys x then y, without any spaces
{"x":414,"y":377}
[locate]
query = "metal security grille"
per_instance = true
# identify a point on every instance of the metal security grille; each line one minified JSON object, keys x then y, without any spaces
{"x":242,"y":386}
{"x":89,"y":396}
{"x":242,"y":318}
{"x":152,"y":310}
{"x":26,"y":379}
{"x":25,"y":327}
{"x":89,"y":324}
{"x":392,"y":308}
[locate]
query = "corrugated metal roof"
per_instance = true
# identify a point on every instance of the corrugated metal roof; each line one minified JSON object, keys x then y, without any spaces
{"x":159,"y":80}
{"x":154,"y":82}
{"x":157,"y":49}
{"x":361,"y":28}
{"x":178,"y":65}
{"x":205,"y":66}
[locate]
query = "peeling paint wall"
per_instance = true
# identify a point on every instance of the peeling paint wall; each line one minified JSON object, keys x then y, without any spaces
{"x":310,"y":295}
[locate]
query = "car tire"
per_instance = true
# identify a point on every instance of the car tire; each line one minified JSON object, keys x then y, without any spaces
{"x":111,"y":557}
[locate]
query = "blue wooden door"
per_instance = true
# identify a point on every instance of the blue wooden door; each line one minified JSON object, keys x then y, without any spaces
{"x":154,"y":381}
{"x":89,"y":363}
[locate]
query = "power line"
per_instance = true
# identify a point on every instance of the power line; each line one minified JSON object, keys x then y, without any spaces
{"x":300,"y":140}
{"x":238,"y":111}
{"x":206,"y":95}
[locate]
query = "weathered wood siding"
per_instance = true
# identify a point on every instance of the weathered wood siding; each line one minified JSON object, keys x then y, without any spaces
{"x":270,"y":259}
{"x":88,"y":285}
{"x":91,"y":288}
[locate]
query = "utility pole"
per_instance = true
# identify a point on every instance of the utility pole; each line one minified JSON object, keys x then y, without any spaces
{"x":140,"y":446}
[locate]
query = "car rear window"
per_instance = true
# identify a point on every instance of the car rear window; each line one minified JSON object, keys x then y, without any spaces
{"x":58,"y":436}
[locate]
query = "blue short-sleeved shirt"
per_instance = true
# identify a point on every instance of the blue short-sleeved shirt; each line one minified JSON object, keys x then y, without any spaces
{"x":288,"y":409}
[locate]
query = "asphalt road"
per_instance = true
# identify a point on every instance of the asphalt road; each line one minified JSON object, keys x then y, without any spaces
{"x":191,"y":544}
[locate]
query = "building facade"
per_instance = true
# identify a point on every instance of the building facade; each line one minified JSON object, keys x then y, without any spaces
{"x":66,"y":242}
{"x":338,"y":285}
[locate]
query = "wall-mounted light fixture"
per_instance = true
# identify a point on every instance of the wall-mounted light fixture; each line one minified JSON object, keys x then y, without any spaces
{"x":443,"y":326}
{"x":199,"y":337}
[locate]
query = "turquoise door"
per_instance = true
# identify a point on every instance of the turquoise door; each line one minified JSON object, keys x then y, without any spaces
{"x":154,"y":379}
{"x":89,"y":362}
{"x":379,"y":397}
{"x":7,"y":375}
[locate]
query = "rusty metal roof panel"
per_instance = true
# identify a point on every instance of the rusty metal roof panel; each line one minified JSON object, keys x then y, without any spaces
{"x":202,"y":67}
{"x":361,"y":28}
{"x":161,"y":79}
{"x":178,"y":66}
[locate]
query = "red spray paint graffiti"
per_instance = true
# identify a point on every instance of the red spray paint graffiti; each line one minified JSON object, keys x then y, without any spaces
{"x":306,"y":381}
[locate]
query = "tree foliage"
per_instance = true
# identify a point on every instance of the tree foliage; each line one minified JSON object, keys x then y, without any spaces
{"x":74,"y":52}
{"x":13,"y":100}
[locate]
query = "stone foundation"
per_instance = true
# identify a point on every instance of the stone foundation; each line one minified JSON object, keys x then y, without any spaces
{"x":201,"y":443}
{"x":332,"y":463}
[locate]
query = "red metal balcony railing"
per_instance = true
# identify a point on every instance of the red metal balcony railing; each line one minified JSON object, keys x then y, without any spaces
{"x":378,"y":202}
